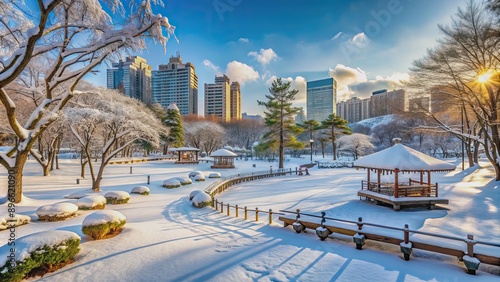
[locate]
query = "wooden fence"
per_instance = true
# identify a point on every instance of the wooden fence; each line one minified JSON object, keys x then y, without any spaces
{"x":470,"y":258}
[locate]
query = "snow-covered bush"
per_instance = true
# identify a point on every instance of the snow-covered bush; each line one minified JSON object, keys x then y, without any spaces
{"x":92,"y":202}
{"x":185,"y":180}
{"x":43,"y":251}
{"x":103,"y":224}
{"x":214,"y":175}
{"x":17,"y":220}
{"x":199,"y":178}
{"x":56,"y":212}
{"x":193,"y":174}
{"x":76,"y":195}
{"x":194,"y":193}
{"x":143,"y":190}
{"x":117,"y":197}
{"x":172,"y":183}
{"x":201,"y":200}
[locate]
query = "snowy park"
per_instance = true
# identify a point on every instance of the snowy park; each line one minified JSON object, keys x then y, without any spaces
{"x":165,"y":238}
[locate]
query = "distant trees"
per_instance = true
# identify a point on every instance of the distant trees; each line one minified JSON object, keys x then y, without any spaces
{"x":204,"y":135}
{"x":280,"y":119}
{"x":243,"y":133}
{"x":335,"y":125}
{"x":357,"y":144}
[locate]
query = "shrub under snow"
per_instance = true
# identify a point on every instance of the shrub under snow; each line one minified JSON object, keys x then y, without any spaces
{"x":194,"y":193}
{"x":76,"y":195}
{"x":117,"y":197}
{"x":17,"y":220}
{"x":41,"y":252}
{"x":214,"y":175}
{"x":56,"y":212}
{"x":172,"y":183}
{"x":92,"y":202}
{"x":143,"y":190}
{"x":193,"y":174}
{"x":103,"y":224}
{"x":199,"y":178}
{"x":185,"y":180}
{"x":201,"y":200}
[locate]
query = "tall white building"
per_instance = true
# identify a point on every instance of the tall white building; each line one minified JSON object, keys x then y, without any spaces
{"x":354,"y":109}
{"x":321,"y":99}
{"x":132,"y":77}
{"x":177,"y":83}
{"x":218,"y":98}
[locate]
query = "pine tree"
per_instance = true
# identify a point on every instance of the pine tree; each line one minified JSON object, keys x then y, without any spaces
{"x":279,"y":118}
{"x":332,"y":123}
{"x":174,"y":121}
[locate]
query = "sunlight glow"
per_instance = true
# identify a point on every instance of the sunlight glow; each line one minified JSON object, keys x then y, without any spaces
{"x":483,"y":78}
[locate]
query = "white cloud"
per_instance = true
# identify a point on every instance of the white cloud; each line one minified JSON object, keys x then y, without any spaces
{"x":359,"y":40}
{"x":210,"y":65}
{"x":265,"y":56}
{"x":337,"y":35}
{"x":297,"y":83}
{"x":240,"y":72}
{"x":243,"y":40}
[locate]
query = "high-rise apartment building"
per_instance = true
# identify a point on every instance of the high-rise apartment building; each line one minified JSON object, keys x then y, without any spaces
{"x":383,"y":102}
{"x":132,"y":77}
{"x":218,"y":98}
{"x":354,"y":109}
{"x":177,"y":83}
{"x":235,"y":101}
{"x":321,"y":99}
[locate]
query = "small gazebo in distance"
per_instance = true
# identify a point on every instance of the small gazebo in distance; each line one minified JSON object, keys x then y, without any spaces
{"x":398,"y":160}
{"x":187,"y":155}
{"x":223,"y":159}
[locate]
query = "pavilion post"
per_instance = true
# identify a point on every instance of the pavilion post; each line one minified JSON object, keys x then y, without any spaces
{"x":378,"y":180}
{"x":396,"y":183}
{"x":421,"y":177}
{"x":368,"y":177}
{"x":429,"y":177}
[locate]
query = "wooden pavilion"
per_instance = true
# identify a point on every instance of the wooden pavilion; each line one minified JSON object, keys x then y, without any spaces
{"x":398,"y":160}
{"x":223,"y":159}
{"x":187,"y":155}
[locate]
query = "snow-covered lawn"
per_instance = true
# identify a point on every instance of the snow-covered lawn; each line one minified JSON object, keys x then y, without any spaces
{"x":167,"y":239}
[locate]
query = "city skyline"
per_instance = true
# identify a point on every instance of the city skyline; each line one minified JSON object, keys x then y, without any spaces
{"x":366,"y":46}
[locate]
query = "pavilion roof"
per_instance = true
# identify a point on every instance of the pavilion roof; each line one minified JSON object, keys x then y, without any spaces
{"x":223,"y":153}
{"x":403,"y":158}
{"x":186,"y":149}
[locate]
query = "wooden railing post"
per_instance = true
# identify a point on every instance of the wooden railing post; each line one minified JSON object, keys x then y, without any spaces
{"x":406,"y":234}
{"x":359,"y":238}
{"x":270,"y":216}
{"x":213,"y":201}
{"x":236,"y":207}
{"x":406,"y":247}
{"x":216,"y":205}
{"x":246,"y":213}
{"x":256,"y":214}
{"x":470,"y":262}
{"x":222,"y":207}
{"x":227,"y":208}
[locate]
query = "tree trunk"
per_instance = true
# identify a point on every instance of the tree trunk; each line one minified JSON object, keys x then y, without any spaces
{"x":15,"y":186}
{"x":82,"y":169}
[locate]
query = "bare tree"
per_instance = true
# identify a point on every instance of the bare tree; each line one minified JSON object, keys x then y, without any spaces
{"x":206,"y":135}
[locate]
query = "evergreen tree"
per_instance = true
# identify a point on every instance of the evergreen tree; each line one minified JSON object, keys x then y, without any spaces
{"x":335,"y":125}
{"x":174,"y":121}
{"x":279,"y":118}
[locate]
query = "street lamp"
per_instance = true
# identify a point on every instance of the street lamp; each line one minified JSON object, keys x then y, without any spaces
{"x":311,"y":143}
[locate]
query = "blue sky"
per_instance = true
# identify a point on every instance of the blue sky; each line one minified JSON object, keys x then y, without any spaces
{"x":366,"y":45}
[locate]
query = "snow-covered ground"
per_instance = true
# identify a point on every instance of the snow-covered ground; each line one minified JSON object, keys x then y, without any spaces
{"x":166,"y":239}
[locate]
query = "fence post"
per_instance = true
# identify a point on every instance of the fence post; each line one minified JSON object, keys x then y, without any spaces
{"x":406,"y":246}
{"x":256,"y":214}
{"x":270,"y":216}
{"x":322,"y":231}
{"x":236,"y":207}
{"x":222,"y":207}
{"x":213,"y":201}
{"x":130,"y":170}
{"x":359,"y":238}
{"x":149,"y":178}
{"x":216,"y":205}
{"x":246,"y":213}
{"x":470,"y":262}
{"x":78,"y":181}
{"x":227,"y":208}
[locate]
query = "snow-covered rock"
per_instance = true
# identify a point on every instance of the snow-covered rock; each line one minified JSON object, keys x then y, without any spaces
{"x":172,"y":183}
{"x":55,"y":212}
{"x":185,"y":180}
{"x":18,"y":219}
{"x":103,"y":224}
{"x":76,"y":195}
{"x":199,"y":178}
{"x":143,"y":190}
{"x":214,"y":175}
{"x":201,"y":200}
{"x":194,"y":193}
{"x":117,"y":197}
{"x":193,"y":174}
{"x":92,"y":202}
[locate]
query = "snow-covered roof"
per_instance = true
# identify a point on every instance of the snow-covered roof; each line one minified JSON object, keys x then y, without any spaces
{"x":185,"y":149}
{"x":403,"y":158}
{"x":223,"y":153}
{"x":173,"y":106}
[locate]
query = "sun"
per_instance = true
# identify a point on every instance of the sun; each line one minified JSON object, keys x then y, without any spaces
{"x":483,"y":78}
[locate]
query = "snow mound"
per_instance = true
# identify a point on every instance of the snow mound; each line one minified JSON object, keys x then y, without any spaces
{"x":76,"y":195}
{"x":26,"y":245}
{"x":202,"y":200}
{"x":18,"y":219}
{"x":214,"y":175}
{"x":55,"y":211}
{"x":119,"y":195}
{"x":172,"y":183}
{"x":91,"y":202}
{"x":193,"y":174}
{"x":143,"y":190}
{"x":185,"y":180}
{"x":194,"y":193}
{"x":373,"y":122}
{"x":199,"y":178}
{"x":103,"y":217}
